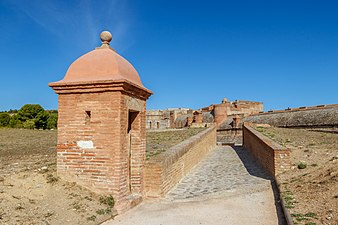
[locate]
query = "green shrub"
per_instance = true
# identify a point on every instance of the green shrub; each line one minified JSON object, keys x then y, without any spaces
{"x":301,"y":165}
{"x":107,"y":200}
{"x":29,"y":124}
{"x":14,"y":122}
{"x":4,"y":119}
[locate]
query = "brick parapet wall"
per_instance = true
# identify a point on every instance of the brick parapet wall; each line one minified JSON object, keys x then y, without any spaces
{"x":164,"y":171}
{"x":273,"y":157}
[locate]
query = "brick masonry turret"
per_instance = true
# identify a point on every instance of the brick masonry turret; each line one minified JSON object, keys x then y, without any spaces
{"x":101,"y":127}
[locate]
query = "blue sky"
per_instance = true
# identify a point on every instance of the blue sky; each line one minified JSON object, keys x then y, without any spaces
{"x":189,"y":53}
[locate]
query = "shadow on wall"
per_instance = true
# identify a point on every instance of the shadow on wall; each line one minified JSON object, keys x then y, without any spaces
{"x":251,"y":165}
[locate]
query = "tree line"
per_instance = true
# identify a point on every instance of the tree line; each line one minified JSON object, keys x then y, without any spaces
{"x":29,"y":116}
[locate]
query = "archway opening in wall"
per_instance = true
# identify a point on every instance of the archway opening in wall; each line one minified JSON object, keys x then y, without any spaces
{"x":158,"y":125}
{"x":132,"y":115}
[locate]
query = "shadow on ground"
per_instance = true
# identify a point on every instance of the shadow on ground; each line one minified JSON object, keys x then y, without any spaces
{"x":257,"y":171}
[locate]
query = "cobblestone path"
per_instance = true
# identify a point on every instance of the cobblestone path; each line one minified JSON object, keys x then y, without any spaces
{"x":225,"y":170}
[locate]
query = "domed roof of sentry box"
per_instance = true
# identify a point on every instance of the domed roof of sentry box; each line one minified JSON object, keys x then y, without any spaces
{"x":102,"y":64}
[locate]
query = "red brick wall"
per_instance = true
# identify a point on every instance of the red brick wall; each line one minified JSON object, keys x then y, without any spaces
{"x":104,"y":168}
{"x":272,"y":156}
{"x":164,"y":171}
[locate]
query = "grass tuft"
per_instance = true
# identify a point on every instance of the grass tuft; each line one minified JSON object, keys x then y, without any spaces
{"x":301,"y":165}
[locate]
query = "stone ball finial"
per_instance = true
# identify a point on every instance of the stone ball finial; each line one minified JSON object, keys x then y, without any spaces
{"x":106,"y":37}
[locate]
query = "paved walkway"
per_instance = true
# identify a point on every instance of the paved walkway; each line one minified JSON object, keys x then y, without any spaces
{"x":227,"y":170}
{"x":227,"y":187}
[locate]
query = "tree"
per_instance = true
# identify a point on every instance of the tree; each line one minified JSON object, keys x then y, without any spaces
{"x":52,"y":121}
{"x":41,"y":120}
{"x":29,"y":111}
{"x":4,"y":119}
{"x":14,"y":122}
{"x":33,"y":116}
{"x":12,"y":111}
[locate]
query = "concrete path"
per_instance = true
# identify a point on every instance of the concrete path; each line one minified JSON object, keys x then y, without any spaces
{"x":227,"y":187}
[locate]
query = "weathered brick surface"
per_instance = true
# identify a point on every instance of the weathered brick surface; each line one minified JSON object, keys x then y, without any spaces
{"x":101,"y":125}
{"x":164,"y":171}
{"x":94,"y":146}
{"x":220,"y":113}
{"x":272,"y":156}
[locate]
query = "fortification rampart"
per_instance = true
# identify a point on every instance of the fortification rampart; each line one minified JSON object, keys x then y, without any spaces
{"x":315,"y":116}
{"x":303,"y":108}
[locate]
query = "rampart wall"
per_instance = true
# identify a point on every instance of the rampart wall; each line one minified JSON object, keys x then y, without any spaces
{"x":273,"y":157}
{"x":317,"y":116}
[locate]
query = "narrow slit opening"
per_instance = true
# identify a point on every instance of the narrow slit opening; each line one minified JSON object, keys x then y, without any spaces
{"x":88,"y":114}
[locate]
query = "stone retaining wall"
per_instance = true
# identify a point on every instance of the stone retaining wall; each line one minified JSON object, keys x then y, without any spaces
{"x":272,"y":156}
{"x":164,"y":171}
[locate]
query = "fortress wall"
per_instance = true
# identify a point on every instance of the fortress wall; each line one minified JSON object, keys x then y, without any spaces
{"x":245,"y":107}
{"x":164,"y":119}
{"x":318,"y":116}
{"x":273,"y":157}
{"x":164,"y":171}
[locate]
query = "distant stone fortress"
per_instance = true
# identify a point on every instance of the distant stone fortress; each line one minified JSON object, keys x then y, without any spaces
{"x":227,"y":114}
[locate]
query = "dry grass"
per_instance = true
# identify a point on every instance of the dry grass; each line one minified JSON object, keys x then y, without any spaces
{"x":17,"y":143}
{"x":310,"y":188}
{"x":301,"y":137}
{"x":158,"y":142}
{"x":27,"y":150}
{"x":20,"y":142}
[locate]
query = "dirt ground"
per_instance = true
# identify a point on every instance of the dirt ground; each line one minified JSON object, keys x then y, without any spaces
{"x":310,"y":188}
{"x":31,"y":192}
